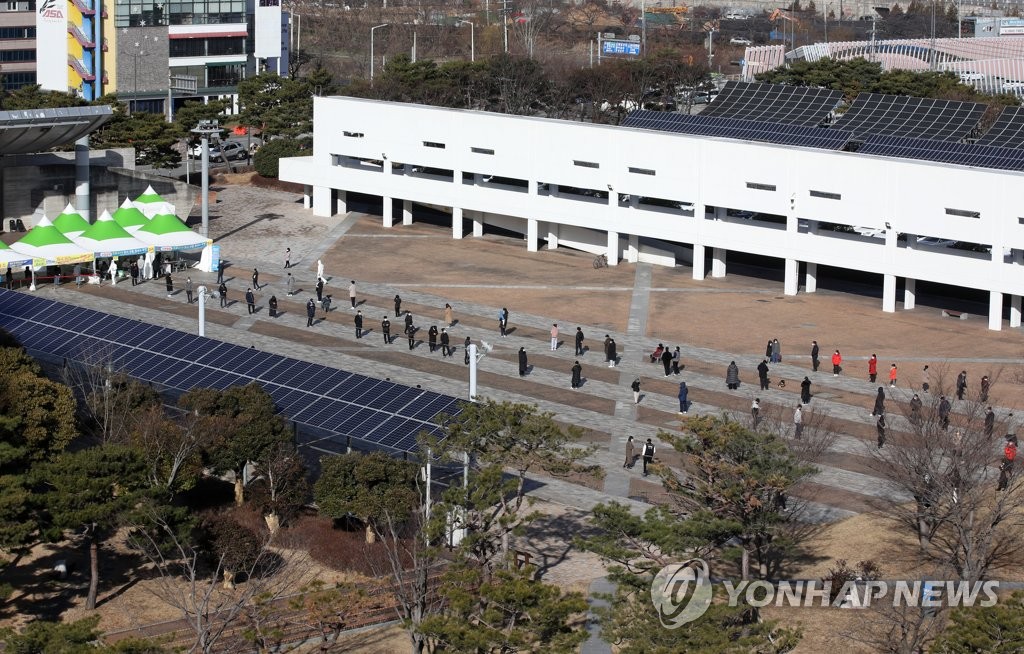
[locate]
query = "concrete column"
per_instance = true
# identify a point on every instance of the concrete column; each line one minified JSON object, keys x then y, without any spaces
{"x":698,"y":262}
{"x":406,"y":212}
{"x":341,"y":202}
{"x":792,"y":281}
{"x":82,"y":178}
{"x":613,"y":248}
{"x":633,"y":249}
{"x":995,"y":310}
{"x":478,"y":224}
{"x":721,"y":213}
{"x":634,"y":201}
{"x":322,"y":201}
{"x":456,"y":222}
{"x":531,"y":234}
{"x":811,"y":278}
{"x":718,"y":262}
{"x":307,"y":196}
{"x":552,"y":236}
{"x":1015,"y":305}
{"x":909,"y":293}
{"x":389,"y":211}
{"x":889,"y":293}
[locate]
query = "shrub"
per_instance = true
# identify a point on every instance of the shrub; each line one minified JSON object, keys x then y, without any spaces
{"x":266,"y":159}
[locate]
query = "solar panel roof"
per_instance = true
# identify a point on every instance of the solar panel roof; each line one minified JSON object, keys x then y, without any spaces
{"x":746,"y":130}
{"x":337,"y":405}
{"x":963,"y":154}
{"x":1007,"y":131}
{"x":874,"y":114}
{"x":774,"y":103}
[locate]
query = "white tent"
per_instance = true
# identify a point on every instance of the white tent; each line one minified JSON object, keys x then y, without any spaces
{"x":166,"y":232}
{"x":150,"y":203}
{"x":44,"y":241}
{"x":105,"y":238}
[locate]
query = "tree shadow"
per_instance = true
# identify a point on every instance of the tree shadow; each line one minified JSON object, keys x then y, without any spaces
{"x":547,"y":536}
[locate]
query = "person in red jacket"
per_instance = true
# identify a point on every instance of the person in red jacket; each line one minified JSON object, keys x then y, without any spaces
{"x":872,"y":368}
{"x":837,"y":362}
{"x":892,"y":375}
{"x":1009,"y":454}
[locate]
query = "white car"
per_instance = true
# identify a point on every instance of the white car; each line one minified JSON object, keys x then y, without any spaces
{"x":232,"y":149}
{"x":738,"y":41}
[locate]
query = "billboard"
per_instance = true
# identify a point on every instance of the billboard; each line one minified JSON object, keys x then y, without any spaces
{"x":1011,"y":26}
{"x":52,"y":30}
{"x":268,"y":29}
{"x":620,"y":48}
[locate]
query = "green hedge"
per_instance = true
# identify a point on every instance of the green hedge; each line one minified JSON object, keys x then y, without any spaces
{"x":267,"y":156}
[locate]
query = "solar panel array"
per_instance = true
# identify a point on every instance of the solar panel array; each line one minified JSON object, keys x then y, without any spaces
{"x":774,"y":103}
{"x":874,"y":114}
{"x":746,"y":130}
{"x":963,"y":154}
{"x":1007,"y":131}
{"x":340,"y":404}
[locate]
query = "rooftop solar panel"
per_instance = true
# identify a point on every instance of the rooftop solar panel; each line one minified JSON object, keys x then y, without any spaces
{"x":746,"y":130}
{"x":806,"y":106}
{"x":1007,"y":131}
{"x":874,"y":114}
{"x":980,"y":156}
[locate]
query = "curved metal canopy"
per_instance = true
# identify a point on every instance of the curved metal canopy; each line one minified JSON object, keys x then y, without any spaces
{"x":37,"y":130}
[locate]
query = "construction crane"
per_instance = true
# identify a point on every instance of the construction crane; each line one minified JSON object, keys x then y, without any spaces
{"x":779,"y":13}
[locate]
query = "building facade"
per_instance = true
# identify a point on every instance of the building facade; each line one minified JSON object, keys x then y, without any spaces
{"x":670,"y":198}
{"x":17,"y":44}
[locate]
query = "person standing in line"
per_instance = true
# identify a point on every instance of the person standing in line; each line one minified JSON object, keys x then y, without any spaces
{"x":880,"y":427}
{"x":630,"y":457}
{"x":837,"y":363}
{"x":607,"y":341}
{"x":577,"y":376}
{"x":272,"y":305}
{"x":814,"y":356}
{"x":648,"y":454}
{"x":1006,"y":467}
{"x":359,"y":324}
{"x":684,"y":398}
{"x":446,"y":350}
{"x":310,"y":312}
{"x":170,"y":284}
{"x":732,"y":376}
{"x":465,"y":350}
{"x":432,"y":338}
{"x":776,"y":351}
{"x":915,"y":409}
{"x":892,"y":375}
{"x":319,"y":289}
{"x":449,"y":315}
{"x":352,"y":293}
{"x":77,"y":271}
{"x":985,"y":384}
{"x":677,"y":358}
{"x":319,"y":268}
{"x":805,"y":390}
{"x":326,"y":305}
{"x":768,"y":350}
{"x":27,"y":276}
{"x":250,"y":301}
{"x":287,"y":258}
{"x":990,"y":422}
{"x":879,"y":407}
{"x":411,"y":332}
{"x":188,"y":289}
{"x":872,"y":368}
{"x":398,"y":305}
{"x":408,"y":321}
{"x":503,"y":321}
{"x":925,"y":378}
{"x":762,"y":374}
{"x":385,"y":328}
{"x":9,"y":278}
{"x":755,"y":411}
{"x":256,"y":279}
{"x":290,"y":285}
{"x":221,"y":267}
{"x":133,"y":272}
{"x":798,"y":423}
{"x":522,"y":362}
{"x":944,"y":408}
{"x":223,"y":291}
{"x":613,"y":356}
{"x":579,"y":341}
{"x":666,"y":361}
{"x":961,"y":384}
{"x":636,"y":390}
{"x":554,"y":336}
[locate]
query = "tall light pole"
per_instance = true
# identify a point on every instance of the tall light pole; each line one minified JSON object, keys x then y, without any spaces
{"x":643,"y":27}
{"x":371,"y":48}
{"x":472,"y":39}
{"x":204,"y":130}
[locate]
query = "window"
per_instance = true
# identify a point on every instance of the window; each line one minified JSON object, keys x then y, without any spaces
{"x":353,"y":135}
{"x":482,"y":150}
{"x":17,"y":33}
{"x":433,"y":144}
{"x":1020,"y":221}
{"x":17,"y":55}
{"x":826,"y":195}
{"x":760,"y":187}
{"x":641,"y":171}
{"x":963,"y":213}
{"x":13,"y":81}
{"x":585,"y":164}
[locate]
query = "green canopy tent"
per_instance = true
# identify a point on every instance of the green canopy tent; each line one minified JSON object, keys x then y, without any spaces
{"x":150,"y":203}
{"x":129,"y":216}
{"x":166,"y":232}
{"x":70,"y":222}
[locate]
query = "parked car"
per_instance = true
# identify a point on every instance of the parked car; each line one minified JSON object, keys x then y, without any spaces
{"x":232,"y":149}
{"x":740,"y":41}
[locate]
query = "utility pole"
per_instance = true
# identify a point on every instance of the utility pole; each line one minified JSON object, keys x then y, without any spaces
{"x":504,"y":22}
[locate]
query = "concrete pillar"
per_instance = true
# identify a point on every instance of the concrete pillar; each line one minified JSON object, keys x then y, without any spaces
{"x":456,"y":222}
{"x":82,"y":178}
{"x":634,"y":201}
{"x":721,"y":213}
{"x":322,"y":201}
{"x":633,"y":249}
{"x":995,"y":310}
{"x":909,"y":293}
{"x":406,"y":212}
{"x":389,"y":211}
{"x":552,"y":236}
{"x":718,"y":262}
{"x":811,"y":278}
{"x":307,"y":196}
{"x":1015,"y":311}
{"x":341,"y":202}
{"x":478,"y":224}
{"x":889,"y":293}
{"x":792,"y":281}
{"x":699,"y":264}
{"x":531,"y":234}
{"x":613,"y":248}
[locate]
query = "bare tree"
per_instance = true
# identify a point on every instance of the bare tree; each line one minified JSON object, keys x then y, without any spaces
{"x":897,"y":629}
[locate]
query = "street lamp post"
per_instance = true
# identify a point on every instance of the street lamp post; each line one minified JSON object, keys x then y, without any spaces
{"x":472,"y":39}
{"x":204,"y":130}
{"x":371,"y":48}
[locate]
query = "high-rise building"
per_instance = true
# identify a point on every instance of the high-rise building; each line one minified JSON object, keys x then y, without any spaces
{"x":17,"y":44}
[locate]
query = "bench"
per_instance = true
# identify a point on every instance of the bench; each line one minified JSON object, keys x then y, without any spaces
{"x":949,"y":313}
